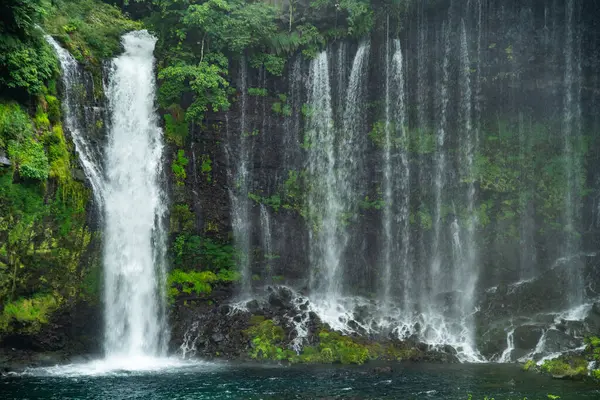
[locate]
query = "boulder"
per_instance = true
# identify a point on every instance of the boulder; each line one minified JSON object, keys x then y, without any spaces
{"x":558,"y":341}
{"x":526,"y":337}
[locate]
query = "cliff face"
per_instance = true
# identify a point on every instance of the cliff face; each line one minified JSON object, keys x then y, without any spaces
{"x":498,"y":130}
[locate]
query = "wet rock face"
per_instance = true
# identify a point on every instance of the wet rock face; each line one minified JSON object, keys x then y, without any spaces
{"x":73,"y":332}
{"x":526,"y":337}
{"x":217,"y":327}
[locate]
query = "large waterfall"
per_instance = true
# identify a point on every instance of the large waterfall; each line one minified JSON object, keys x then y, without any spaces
{"x":126,"y":179}
{"x":135,"y":206}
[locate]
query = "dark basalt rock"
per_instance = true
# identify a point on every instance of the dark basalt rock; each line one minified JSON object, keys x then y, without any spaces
{"x":557,"y":341}
{"x":526,"y":337}
{"x":383,"y":370}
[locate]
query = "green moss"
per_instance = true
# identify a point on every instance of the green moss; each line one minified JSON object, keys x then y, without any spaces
{"x":29,"y":158}
{"x":176,"y":127}
{"x":206,"y":167}
{"x":273,"y":201}
{"x":197,"y":282}
{"x":41,"y":120}
{"x":15,"y":124}
{"x":42,"y":224}
{"x":569,"y":367}
{"x":592,"y":348}
{"x":260,"y":92}
{"x":91,"y":30}
{"x":32,"y":312}
{"x":528,"y":365}
{"x":192,"y":281}
{"x":182,"y":218}
{"x":195,"y":252}
{"x":53,"y":107}
{"x":267,"y":340}
{"x":178,"y":167}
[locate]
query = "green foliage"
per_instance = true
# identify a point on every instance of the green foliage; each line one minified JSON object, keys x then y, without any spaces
{"x":282,"y":108}
{"x":528,"y":365}
{"x":592,"y":348}
{"x":29,"y":158}
{"x":267,"y":338}
{"x":54,"y":113}
{"x":368,"y":204}
{"x":26,"y":60}
{"x":182,"y":218}
{"x":41,"y":120}
{"x":31,"y":312}
{"x":91,"y":30}
{"x":259,"y":92}
{"x":178,"y":167}
{"x":25,"y":64}
{"x":43,"y":231}
{"x":15,"y":124}
{"x":205,"y":81}
{"x":511,"y":180}
{"x":232,"y":24}
{"x":571,"y":367}
{"x":273,"y":201}
{"x":197,"y":282}
{"x":195,"y":252}
{"x":206,"y":167}
{"x":272,"y":63}
{"x":192,"y":281}
{"x":336,"y":347}
{"x":359,"y":14}
{"x":176,"y":127}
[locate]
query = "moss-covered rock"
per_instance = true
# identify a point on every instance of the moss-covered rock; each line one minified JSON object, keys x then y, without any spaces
{"x":568,"y":367}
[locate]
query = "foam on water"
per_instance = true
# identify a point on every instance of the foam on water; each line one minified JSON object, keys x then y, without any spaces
{"x":120,"y":366}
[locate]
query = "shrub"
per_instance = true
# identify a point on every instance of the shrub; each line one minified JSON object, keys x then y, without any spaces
{"x":33,"y":312}
{"x":29,"y":158}
{"x":15,"y":124}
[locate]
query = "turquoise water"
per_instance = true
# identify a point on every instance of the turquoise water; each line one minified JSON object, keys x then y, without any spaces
{"x":222,"y":381}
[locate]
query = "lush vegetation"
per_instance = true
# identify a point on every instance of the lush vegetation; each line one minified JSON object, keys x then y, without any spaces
{"x":269,"y":342}
{"x":572,"y":366}
{"x":45,"y":259}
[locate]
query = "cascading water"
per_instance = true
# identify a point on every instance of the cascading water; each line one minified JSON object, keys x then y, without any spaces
{"x":324,"y":202}
{"x":335,"y":163}
{"x":352,"y":139}
{"x":446,"y":214}
{"x":267,"y":243}
{"x":396,"y":184}
{"x":240,"y":187}
{"x":135,"y":205}
{"x":571,"y":131}
{"x":73,"y":80}
{"x":465,"y":273}
{"x":436,"y":278}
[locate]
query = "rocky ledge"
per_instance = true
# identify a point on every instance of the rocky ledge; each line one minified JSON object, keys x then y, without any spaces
{"x":280,"y":327}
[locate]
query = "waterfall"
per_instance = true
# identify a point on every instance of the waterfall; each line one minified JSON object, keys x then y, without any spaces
{"x":466,"y":272}
{"x":437,"y":280}
{"x":135,"y":205}
{"x":130,"y":195}
{"x":73,"y":100}
{"x":396,"y":183}
{"x":388,"y":190}
{"x":336,"y":166}
{"x":291,"y":135}
{"x":240,"y":187}
{"x":267,"y":243}
{"x":324,"y":201}
{"x":571,"y":131}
